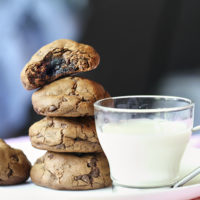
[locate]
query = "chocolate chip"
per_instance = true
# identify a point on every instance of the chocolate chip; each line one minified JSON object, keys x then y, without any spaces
{"x":14,"y":159}
{"x":76,"y":178}
{"x":92,"y":162}
{"x":95,"y":172}
{"x":85,"y":178}
{"x":10,"y":172}
{"x":52,"y":108}
{"x":50,"y":156}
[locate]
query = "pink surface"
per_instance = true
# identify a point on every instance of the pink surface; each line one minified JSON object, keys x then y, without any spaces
{"x":17,"y":139}
{"x":194,"y":141}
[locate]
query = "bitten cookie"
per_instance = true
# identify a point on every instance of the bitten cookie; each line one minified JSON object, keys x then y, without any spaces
{"x":68,"y":97}
{"x":71,"y":172}
{"x":14,"y":166}
{"x":65,"y":135}
{"x":57,"y":59}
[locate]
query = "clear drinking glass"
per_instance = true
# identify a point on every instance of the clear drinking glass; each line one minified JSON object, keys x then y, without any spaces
{"x":144,"y":137}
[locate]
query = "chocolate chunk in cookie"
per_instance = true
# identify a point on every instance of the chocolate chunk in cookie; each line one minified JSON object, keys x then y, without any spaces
{"x":14,"y":166}
{"x":71,"y":172}
{"x":68,"y":97}
{"x":65,"y":135}
{"x":58,"y":59}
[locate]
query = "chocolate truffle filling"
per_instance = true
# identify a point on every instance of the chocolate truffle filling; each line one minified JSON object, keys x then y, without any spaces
{"x":57,"y":64}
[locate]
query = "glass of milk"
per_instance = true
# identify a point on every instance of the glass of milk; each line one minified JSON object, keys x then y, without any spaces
{"x":144,"y":137}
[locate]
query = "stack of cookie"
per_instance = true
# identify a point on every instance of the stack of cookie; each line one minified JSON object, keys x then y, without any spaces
{"x":74,"y":159}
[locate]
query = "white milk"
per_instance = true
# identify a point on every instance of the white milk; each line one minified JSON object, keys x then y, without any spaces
{"x":144,"y":152}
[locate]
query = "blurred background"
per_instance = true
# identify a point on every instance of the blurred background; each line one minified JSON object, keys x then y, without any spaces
{"x":146,"y":47}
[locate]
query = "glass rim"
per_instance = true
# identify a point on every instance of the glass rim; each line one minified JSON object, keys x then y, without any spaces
{"x":155,"y":110}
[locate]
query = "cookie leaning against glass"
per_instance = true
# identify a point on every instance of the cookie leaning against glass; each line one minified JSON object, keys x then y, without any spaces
{"x":71,"y":171}
{"x":58,"y":59}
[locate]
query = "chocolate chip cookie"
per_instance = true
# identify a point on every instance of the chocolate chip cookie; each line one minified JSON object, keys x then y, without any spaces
{"x":58,"y":59}
{"x":65,"y":171}
{"x":68,"y":97}
{"x":14,"y":166}
{"x":65,"y":135}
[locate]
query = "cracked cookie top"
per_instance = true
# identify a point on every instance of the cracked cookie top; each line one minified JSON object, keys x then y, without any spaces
{"x":68,"y":97}
{"x":14,"y":166}
{"x":58,"y":59}
{"x":71,"y":171}
{"x":65,"y":135}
